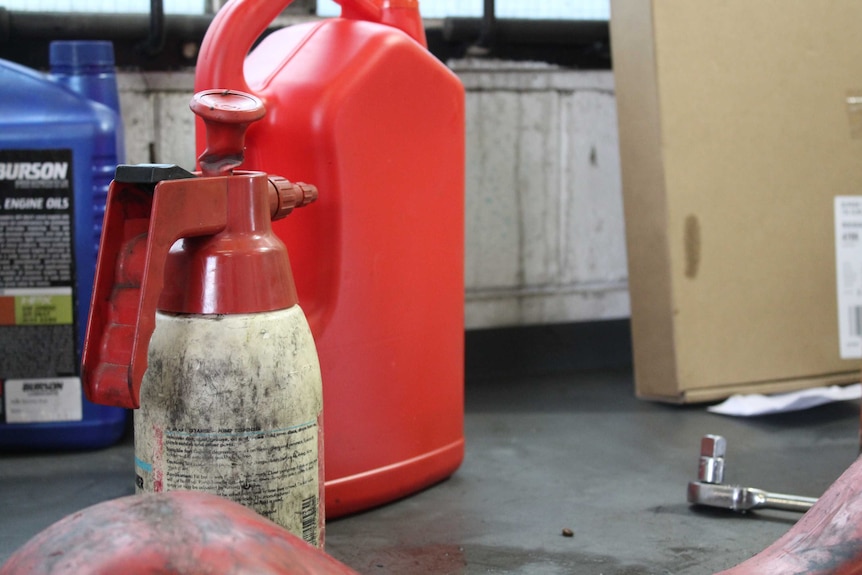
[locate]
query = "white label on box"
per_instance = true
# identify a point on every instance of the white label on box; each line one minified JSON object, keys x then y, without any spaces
{"x":848,"y":265}
{"x":43,"y":400}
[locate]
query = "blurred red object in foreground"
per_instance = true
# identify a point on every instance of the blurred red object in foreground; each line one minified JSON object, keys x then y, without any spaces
{"x":178,"y":532}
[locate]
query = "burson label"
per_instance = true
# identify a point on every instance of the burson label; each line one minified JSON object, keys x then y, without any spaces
{"x":37,"y":288}
{"x":34,"y":171}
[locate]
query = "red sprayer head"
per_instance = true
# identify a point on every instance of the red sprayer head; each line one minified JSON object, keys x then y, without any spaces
{"x":186,"y":243}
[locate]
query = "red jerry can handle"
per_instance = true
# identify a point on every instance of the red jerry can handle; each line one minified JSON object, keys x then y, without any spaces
{"x":149,"y":208}
{"x":239,"y":23}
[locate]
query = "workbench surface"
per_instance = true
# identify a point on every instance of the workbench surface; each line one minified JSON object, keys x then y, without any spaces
{"x":545,"y":452}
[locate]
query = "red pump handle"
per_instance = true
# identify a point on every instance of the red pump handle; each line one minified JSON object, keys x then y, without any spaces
{"x":239,"y":23}
{"x":227,"y":115}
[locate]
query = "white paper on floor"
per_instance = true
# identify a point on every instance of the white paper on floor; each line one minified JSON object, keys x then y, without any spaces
{"x":755,"y":404}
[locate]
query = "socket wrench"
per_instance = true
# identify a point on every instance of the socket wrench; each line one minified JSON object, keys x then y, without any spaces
{"x":709,"y":489}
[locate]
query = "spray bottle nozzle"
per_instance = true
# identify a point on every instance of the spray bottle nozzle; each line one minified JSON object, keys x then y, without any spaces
{"x":286,"y":195}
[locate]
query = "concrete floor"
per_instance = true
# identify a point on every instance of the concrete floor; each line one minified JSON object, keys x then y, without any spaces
{"x":545,"y":451}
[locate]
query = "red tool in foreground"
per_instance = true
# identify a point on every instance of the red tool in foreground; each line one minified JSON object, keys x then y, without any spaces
{"x":827,"y":540}
{"x":228,"y":387}
{"x":179,"y":533}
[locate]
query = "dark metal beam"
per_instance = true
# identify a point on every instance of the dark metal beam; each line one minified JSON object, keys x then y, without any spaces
{"x":24,"y":38}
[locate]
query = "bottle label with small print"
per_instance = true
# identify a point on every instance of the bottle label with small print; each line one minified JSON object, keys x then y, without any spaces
{"x":38,"y":361}
{"x":232,"y":405}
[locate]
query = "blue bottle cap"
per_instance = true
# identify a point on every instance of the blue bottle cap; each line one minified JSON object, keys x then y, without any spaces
{"x":77,"y":54}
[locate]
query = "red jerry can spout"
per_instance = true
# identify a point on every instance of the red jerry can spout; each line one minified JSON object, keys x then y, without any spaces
{"x":401,"y":14}
{"x":149,"y":209}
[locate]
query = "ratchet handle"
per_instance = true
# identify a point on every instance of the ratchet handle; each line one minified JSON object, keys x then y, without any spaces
{"x":786,"y":502}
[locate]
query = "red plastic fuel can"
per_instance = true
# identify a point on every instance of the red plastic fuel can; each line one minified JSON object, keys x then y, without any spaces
{"x":359,"y":106}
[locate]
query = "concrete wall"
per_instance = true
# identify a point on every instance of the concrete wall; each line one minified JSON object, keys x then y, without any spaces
{"x":544,"y":221}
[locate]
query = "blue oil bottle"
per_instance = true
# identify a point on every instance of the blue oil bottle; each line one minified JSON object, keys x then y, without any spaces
{"x":60,"y":141}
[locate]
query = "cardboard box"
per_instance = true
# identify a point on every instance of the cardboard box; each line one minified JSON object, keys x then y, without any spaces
{"x":737,"y":128}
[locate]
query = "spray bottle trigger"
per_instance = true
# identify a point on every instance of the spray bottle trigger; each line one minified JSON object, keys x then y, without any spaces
{"x":142,"y":222}
{"x":112,"y":322}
